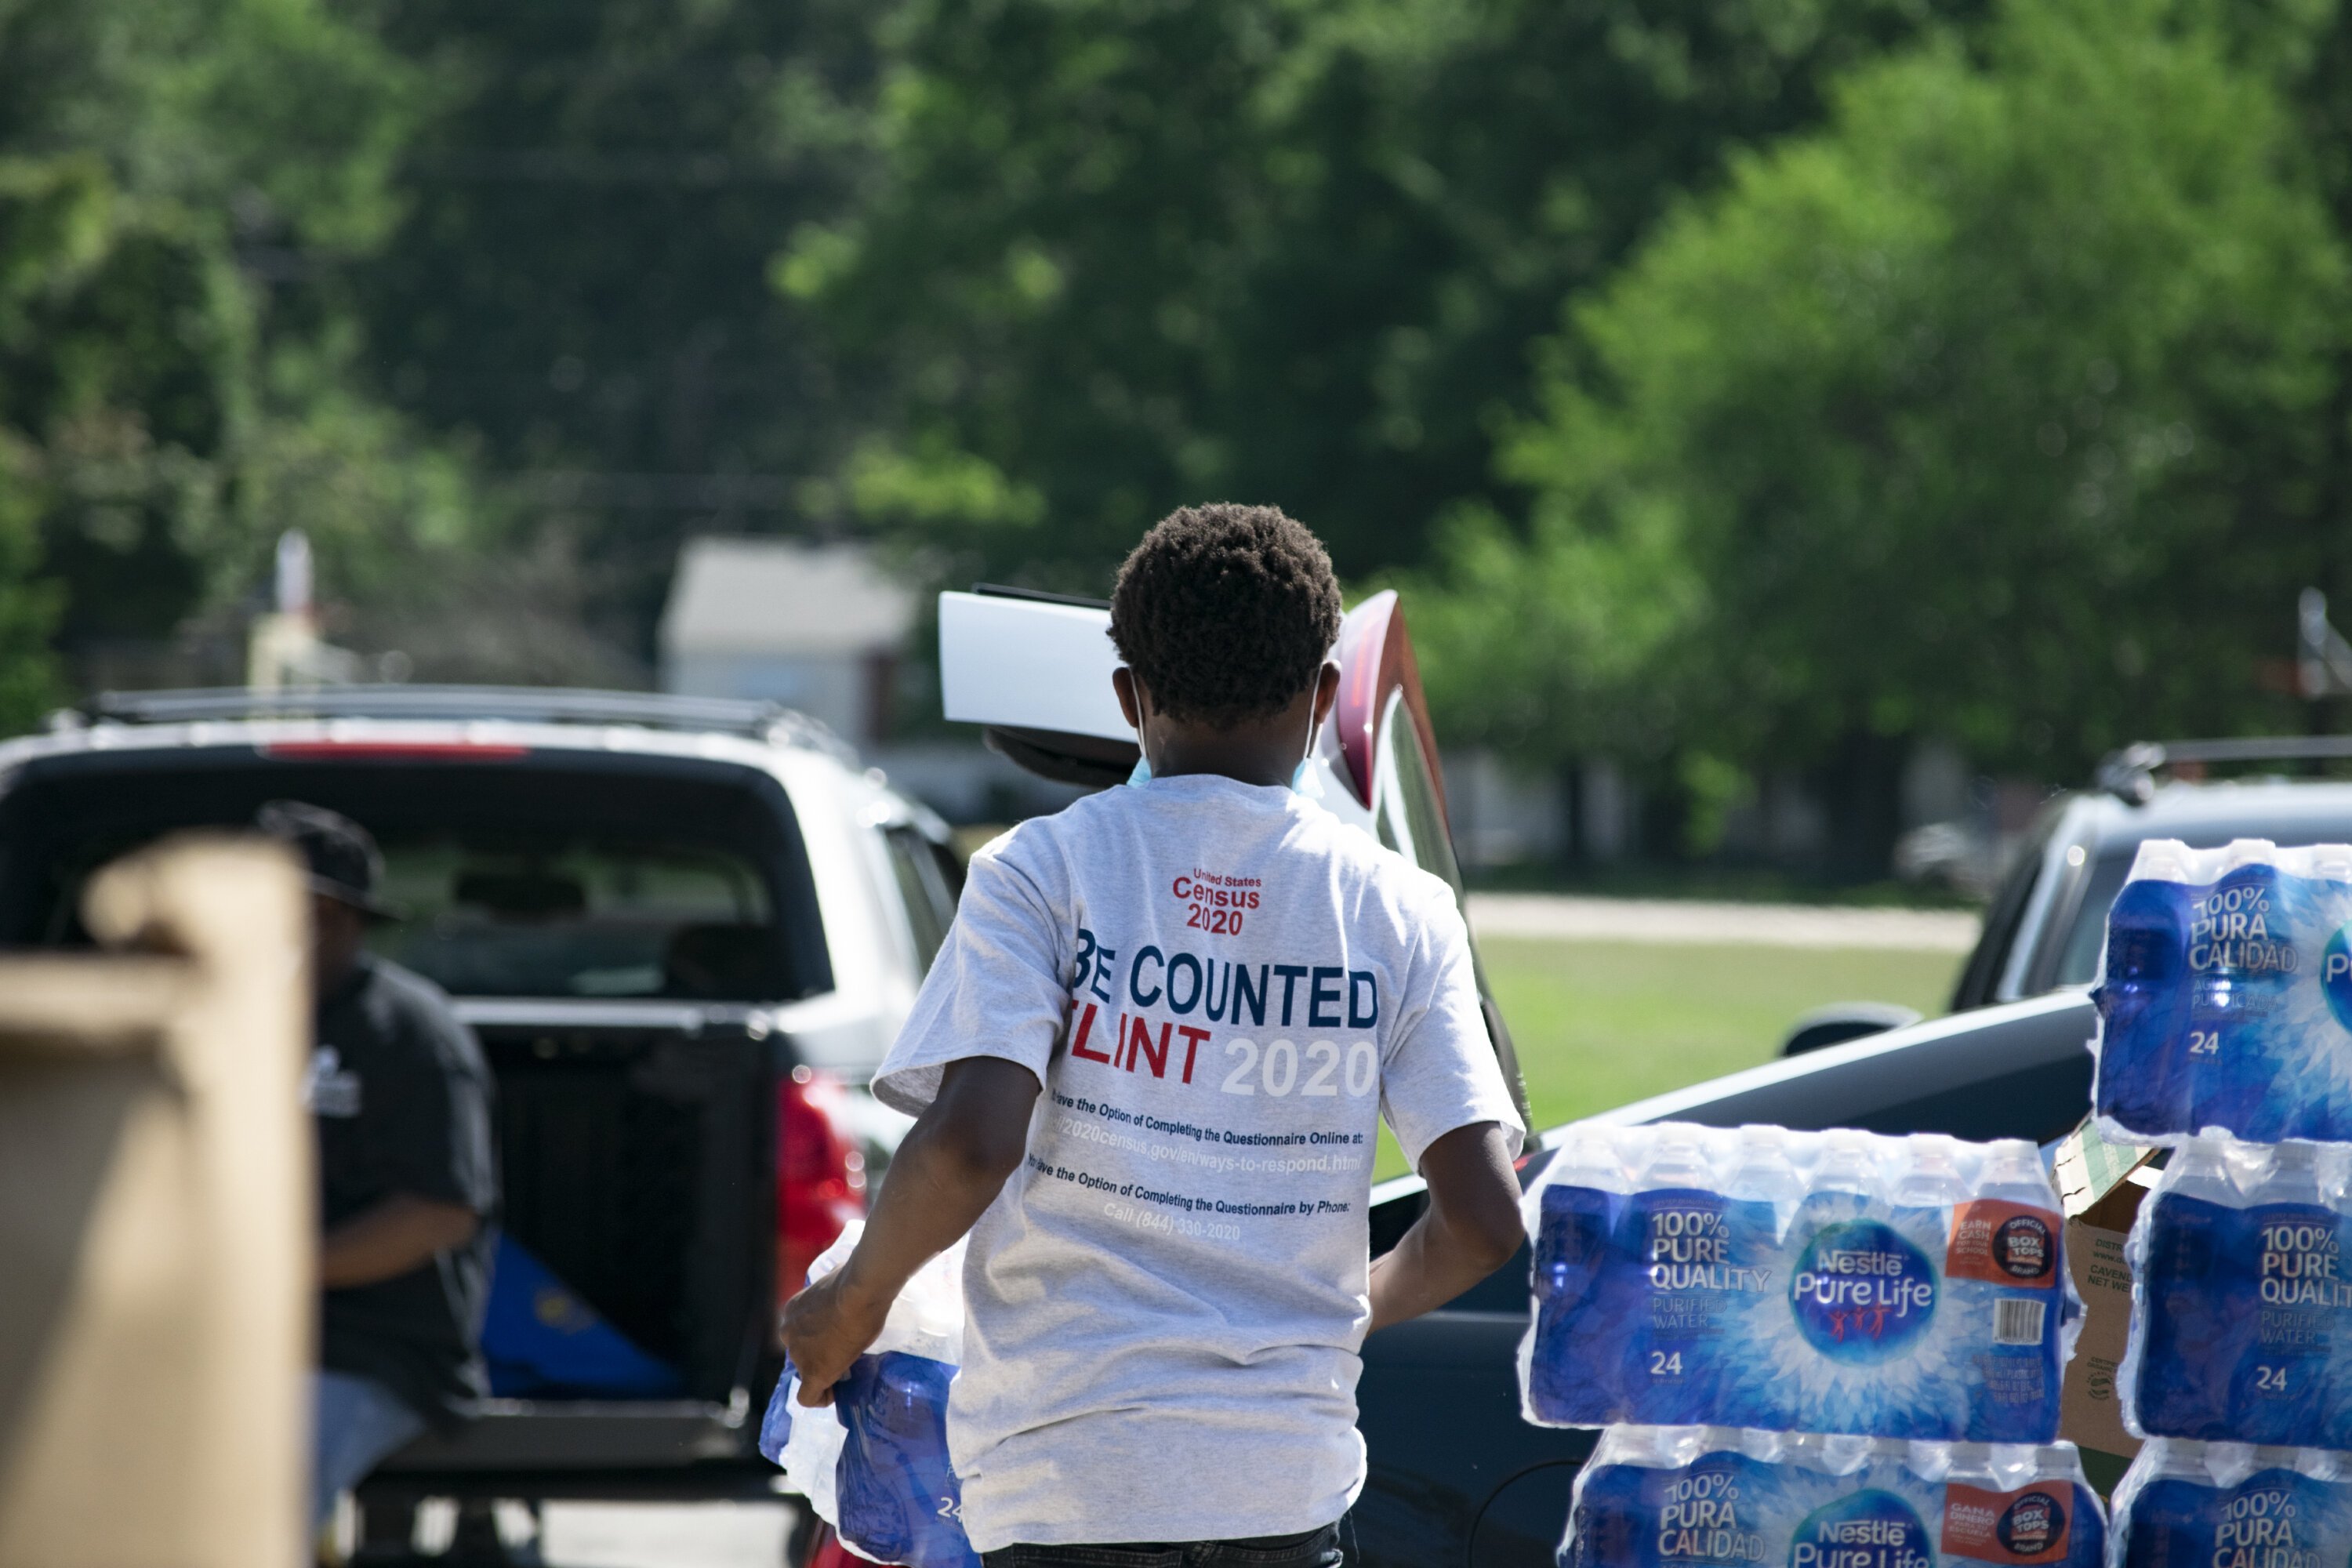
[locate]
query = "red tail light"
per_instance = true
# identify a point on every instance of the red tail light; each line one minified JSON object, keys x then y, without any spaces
{"x":827,"y":1551}
{"x":393,"y":751}
{"x":820,"y":1173}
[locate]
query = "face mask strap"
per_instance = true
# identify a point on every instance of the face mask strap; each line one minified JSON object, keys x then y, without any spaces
{"x":1304,"y":780}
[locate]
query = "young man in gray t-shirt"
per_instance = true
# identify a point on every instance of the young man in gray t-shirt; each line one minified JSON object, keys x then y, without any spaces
{"x":1149,"y":1068}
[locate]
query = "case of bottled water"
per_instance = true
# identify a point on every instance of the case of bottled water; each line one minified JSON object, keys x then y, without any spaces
{"x":873,"y":1464}
{"x":2225,"y":997}
{"x":1908,"y":1288}
{"x":1679,"y":1497}
{"x":2186,"y":1504}
{"x":2242,"y":1311}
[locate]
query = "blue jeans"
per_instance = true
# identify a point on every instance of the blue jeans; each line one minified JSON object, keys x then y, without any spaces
{"x":356,"y":1421}
{"x":1316,"y":1548}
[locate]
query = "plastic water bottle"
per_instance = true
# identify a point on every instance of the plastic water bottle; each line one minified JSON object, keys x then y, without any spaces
{"x":1761,"y":1173}
{"x":1933,"y":1180}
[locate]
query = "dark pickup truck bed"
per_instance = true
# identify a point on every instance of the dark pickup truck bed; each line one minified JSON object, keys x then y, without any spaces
{"x":638,"y":1154}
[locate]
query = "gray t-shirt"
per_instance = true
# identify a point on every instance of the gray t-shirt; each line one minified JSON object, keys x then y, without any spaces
{"x":1221,"y":987}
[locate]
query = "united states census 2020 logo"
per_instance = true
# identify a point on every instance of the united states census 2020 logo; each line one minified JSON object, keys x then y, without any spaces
{"x":2335,"y":975}
{"x":2029,"y":1526}
{"x":1861,"y":1293}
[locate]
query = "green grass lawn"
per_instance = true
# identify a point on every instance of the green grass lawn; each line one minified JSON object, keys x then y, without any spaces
{"x":1599,"y":1023}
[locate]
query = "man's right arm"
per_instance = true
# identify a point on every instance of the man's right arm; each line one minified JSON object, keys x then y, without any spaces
{"x":390,"y":1239}
{"x":1001,"y":978}
{"x":1471,"y":1227}
{"x":950,"y":1167}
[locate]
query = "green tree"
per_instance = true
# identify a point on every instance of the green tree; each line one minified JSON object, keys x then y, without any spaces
{"x":118,"y":368}
{"x":181,"y":182}
{"x":1106,"y":256}
{"x":1997,"y":410}
{"x":28,"y":681}
{"x":578,"y":284}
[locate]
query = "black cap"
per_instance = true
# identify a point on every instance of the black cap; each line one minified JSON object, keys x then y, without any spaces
{"x":342,"y":855}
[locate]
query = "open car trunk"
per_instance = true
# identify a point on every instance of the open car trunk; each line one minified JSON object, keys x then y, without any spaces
{"x":1034,"y":671}
{"x":639,"y":1159}
{"x":632,"y":1300}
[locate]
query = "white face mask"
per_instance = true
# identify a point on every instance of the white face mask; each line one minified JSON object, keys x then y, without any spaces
{"x":1304,"y":781}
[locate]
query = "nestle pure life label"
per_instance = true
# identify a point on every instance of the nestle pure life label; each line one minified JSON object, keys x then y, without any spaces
{"x":2225,"y":995}
{"x":1720,"y":1498}
{"x":1905,"y":1288}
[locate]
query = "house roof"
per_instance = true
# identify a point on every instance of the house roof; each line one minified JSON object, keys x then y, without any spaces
{"x":783,"y":596}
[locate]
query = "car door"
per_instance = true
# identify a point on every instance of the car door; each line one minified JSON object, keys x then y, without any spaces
{"x":1032,"y":670}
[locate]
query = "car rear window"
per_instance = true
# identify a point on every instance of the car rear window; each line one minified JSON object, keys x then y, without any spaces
{"x":552,"y":875}
{"x":2078,"y":961}
{"x":500,"y":913}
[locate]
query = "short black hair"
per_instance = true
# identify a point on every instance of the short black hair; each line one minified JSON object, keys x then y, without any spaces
{"x":1225,"y":611}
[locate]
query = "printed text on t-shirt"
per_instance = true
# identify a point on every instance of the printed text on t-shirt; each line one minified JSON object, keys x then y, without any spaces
{"x":1189,"y":985}
{"x":1215,"y":904}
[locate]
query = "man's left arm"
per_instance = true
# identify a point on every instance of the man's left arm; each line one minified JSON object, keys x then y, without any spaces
{"x":1442,"y":1093}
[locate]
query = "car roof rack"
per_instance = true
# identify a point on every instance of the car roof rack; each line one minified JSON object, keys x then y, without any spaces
{"x":2129,"y":774}
{"x":520,"y":704}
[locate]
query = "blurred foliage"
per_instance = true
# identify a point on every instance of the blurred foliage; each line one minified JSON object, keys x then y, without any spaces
{"x":286,"y":115}
{"x":2008,"y":408}
{"x":1104,"y":256}
{"x":173,"y":388}
{"x":579,"y":280}
{"x":121,"y":334}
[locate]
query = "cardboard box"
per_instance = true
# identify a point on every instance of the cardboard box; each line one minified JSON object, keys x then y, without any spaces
{"x":2100,"y":1185}
{"x":158,"y":1239}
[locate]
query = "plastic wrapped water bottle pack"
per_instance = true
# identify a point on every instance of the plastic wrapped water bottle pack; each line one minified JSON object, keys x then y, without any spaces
{"x":2241,"y":1311}
{"x":2225,"y":997}
{"x":2187,"y":1504}
{"x":1665,"y":1497}
{"x":1906,"y":1288}
{"x":873,"y":1464}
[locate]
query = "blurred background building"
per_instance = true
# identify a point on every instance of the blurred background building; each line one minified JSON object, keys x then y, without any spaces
{"x":819,"y":628}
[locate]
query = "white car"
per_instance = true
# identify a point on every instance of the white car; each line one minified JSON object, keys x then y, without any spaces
{"x":685,"y":931}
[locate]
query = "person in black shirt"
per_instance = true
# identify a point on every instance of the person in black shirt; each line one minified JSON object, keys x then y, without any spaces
{"x":408,"y":1176}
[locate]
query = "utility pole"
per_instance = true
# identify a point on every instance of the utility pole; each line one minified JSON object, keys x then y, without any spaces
{"x":2323,"y":662}
{"x":283,"y":648}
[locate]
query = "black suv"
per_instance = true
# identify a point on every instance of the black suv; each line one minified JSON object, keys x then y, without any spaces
{"x":2044,"y":927}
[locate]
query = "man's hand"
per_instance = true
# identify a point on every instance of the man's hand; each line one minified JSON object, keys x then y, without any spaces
{"x":1471,"y":1227}
{"x":826,"y":1327}
{"x":950,"y":1167}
